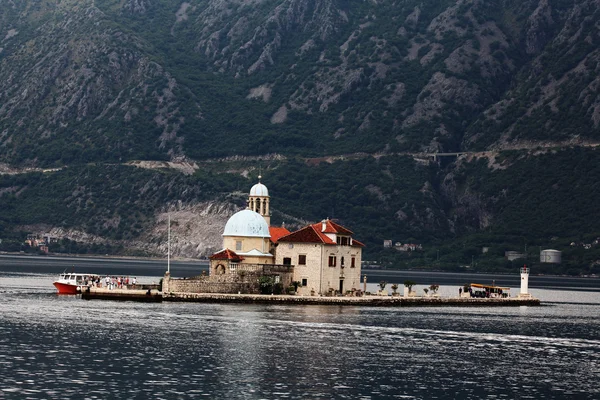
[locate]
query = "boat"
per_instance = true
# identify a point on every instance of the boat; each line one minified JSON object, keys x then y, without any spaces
{"x":490,"y":291}
{"x":71,"y":283}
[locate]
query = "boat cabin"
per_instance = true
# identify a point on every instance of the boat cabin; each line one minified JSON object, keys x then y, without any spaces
{"x":77,"y":279}
{"x":488,"y":291}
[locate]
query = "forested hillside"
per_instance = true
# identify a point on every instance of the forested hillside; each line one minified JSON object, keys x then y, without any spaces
{"x":338,"y":102}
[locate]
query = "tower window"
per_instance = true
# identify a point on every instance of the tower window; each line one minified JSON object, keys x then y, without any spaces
{"x":238,"y":245}
{"x":302,"y":259}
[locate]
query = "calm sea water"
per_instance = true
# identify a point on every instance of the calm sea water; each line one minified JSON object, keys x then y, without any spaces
{"x":63,"y":347}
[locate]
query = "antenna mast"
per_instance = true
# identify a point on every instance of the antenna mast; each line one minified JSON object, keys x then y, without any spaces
{"x":169,"y":247}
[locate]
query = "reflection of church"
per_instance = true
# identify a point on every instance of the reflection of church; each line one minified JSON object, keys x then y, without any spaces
{"x":320,"y":257}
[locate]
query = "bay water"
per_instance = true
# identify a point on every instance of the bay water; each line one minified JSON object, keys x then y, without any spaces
{"x":57,"y":347}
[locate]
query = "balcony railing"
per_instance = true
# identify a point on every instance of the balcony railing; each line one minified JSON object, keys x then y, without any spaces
{"x":235,"y":267}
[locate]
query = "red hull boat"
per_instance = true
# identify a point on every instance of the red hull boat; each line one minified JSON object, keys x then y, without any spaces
{"x":71,"y":283}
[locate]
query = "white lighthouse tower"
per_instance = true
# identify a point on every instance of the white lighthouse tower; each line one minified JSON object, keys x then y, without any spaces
{"x":524,"y":283}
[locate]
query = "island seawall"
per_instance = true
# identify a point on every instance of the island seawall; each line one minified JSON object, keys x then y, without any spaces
{"x":379,"y":301}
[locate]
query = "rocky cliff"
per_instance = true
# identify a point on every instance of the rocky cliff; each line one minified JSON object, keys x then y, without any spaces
{"x":96,"y":80}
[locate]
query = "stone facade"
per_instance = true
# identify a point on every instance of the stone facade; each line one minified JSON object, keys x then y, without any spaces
{"x":315,"y":275}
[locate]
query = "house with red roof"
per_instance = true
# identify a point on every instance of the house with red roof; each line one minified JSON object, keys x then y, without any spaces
{"x":325,"y":256}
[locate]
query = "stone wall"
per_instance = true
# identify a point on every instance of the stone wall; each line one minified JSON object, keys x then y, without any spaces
{"x":243,"y":281}
{"x":206,"y":284}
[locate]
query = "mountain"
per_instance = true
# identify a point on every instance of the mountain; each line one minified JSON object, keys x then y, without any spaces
{"x":301,"y":88}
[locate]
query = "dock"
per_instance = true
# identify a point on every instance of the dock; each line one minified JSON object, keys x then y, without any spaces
{"x":372,"y":301}
{"x":141,"y":295}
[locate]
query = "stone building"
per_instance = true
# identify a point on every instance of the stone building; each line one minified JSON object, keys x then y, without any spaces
{"x":321,"y":258}
{"x":326,"y":258}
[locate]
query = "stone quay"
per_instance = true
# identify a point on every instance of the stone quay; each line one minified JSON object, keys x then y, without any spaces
{"x":367,"y":300}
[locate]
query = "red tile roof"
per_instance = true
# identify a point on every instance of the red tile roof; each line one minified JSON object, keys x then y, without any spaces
{"x":226,"y":254}
{"x":332,"y":227}
{"x":277,"y":232}
{"x":308,"y":234}
{"x":356,"y":243}
{"x":313,"y":234}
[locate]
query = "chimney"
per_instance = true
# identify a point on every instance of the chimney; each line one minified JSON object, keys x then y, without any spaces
{"x":323,"y":225}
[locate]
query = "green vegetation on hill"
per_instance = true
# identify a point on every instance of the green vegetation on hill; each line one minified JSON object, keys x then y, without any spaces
{"x":111,"y":201}
{"x":521,"y":201}
{"x":375,"y":198}
{"x":529,"y":201}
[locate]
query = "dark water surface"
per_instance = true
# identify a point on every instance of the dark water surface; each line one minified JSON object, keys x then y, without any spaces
{"x":63,"y":347}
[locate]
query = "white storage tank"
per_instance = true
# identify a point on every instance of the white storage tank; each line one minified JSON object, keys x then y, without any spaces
{"x":550,"y":256}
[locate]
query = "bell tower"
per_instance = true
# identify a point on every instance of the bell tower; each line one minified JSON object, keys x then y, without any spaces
{"x":258,"y":201}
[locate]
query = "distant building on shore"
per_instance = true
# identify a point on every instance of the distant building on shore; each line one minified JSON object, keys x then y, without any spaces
{"x":513,"y":255}
{"x":550,"y":256}
{"x":40,"y":242}
{"x":408,"y":246}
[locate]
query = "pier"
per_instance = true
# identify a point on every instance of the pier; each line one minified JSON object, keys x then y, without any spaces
{"x":141,"y":295}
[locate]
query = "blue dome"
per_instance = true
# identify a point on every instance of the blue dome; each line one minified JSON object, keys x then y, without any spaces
{"x":259,"y":190}
{"x":247,"y":223}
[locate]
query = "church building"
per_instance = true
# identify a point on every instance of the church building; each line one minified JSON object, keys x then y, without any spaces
{"x":321,"y":258}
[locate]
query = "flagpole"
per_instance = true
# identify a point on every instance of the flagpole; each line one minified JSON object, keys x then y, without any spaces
{"x":169,"y":247}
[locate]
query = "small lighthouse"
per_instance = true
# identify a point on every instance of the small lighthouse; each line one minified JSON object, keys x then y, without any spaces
{"x":524,"y":282}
